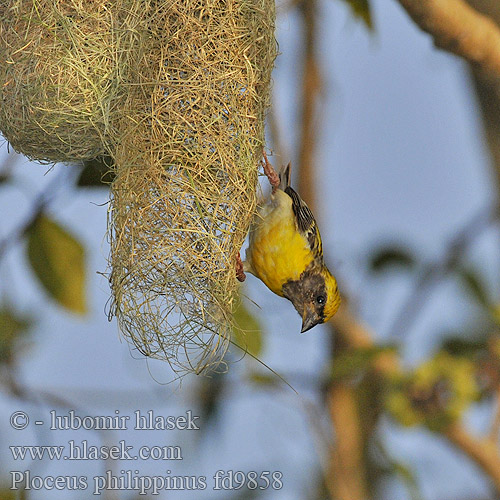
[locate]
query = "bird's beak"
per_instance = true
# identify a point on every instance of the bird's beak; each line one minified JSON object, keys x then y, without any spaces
{"x":309,"y":318}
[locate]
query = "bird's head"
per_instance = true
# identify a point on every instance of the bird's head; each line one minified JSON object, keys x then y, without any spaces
{"x":314,"y":295}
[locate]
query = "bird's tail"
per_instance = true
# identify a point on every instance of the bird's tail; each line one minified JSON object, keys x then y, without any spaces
{"x":285,"y":173}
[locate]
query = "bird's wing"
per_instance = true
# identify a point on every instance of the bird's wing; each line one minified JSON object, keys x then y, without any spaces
{"x":306,"y":223}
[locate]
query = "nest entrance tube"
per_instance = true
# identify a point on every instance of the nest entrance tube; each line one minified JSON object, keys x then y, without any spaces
{"x":187,"y":151}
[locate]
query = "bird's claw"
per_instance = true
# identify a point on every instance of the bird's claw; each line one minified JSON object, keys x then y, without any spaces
{"x":240,"y":274}
{"x":274,"y":178}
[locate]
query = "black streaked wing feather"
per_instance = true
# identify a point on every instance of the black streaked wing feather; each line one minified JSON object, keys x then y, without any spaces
{"x":306,"y":223}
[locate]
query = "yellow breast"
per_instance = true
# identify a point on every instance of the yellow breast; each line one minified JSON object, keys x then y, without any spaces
{"x":277,"y":251}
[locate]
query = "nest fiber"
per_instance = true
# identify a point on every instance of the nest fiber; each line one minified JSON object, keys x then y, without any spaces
{"x":62,"y":63}
{"x":187,"y":159}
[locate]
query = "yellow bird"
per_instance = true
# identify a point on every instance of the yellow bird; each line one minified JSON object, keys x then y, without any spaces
{"x":286,"y":253}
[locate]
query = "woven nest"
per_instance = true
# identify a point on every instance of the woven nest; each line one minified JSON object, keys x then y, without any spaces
{"x":187,"y":158}
{"x":175,"y":91}
{"x":62,"y":63}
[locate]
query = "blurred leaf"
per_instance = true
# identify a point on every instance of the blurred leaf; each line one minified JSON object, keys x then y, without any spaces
{"x":96,"y":173}
{"x":391,"y":256}
{"x":209,"y":397}
{"x":247,"y":493}
{"x":57,"y":258}
{"x":353,"y":362}
{"x":436,"y":393}
{"x":246,"y":329}
{"x":8,"y":494}
{"x":4,"y":177}
{"x":262,"y":379}
{"x":12,"y":327}
{"x":391,"y":467}
{"x":408,"y":478}
{"x":361,"y":9}
{"x":458,"y":346}
{"x":475,"y":285}
{"x":495,"y":313}
{"x":317,"y":489}
{"x":243,"y":493}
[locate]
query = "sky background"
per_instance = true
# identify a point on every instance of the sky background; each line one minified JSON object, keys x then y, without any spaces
{"x":401,"y":158}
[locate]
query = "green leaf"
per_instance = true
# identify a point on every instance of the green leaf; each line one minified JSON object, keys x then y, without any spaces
{"x":361,"y":9}
{"x":246,"y":330}
{"x":353,"y":362}
{"x":391,"y":256}
{"x":475,"y":285}
{"x":58,"y":260}
{"x":97,"y":173}
{"x":12,"y":327}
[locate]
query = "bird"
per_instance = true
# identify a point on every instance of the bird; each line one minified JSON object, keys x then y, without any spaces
{"x":286,"y":253}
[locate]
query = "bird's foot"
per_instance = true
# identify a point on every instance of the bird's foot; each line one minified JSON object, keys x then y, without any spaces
{"x":240,"y":274}
{"x":274,"y":178}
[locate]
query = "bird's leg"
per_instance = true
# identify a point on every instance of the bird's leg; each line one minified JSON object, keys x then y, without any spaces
{"x":274,"y":178}
{"x":240,"y":274}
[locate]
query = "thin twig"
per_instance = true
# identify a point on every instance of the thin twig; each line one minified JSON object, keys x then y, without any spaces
{"x":435,"y":273}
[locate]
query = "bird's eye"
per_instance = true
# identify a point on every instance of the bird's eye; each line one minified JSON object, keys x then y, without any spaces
{"x":320,"y":299}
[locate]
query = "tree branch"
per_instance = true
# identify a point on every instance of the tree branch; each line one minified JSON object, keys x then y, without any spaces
{"x":345,"y":478}
{"x":483,"y":451}
{"x":458,"y":28}
{"x":311,"y":86}
{"x":437,"y":271}
{"x":495,"y":426}
{"x":358,"y":336}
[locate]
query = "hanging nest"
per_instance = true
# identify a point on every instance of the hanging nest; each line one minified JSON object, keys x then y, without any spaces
{"x":187,"y":159}
{"x":62,"y":63}
{"x":175,"y":91}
